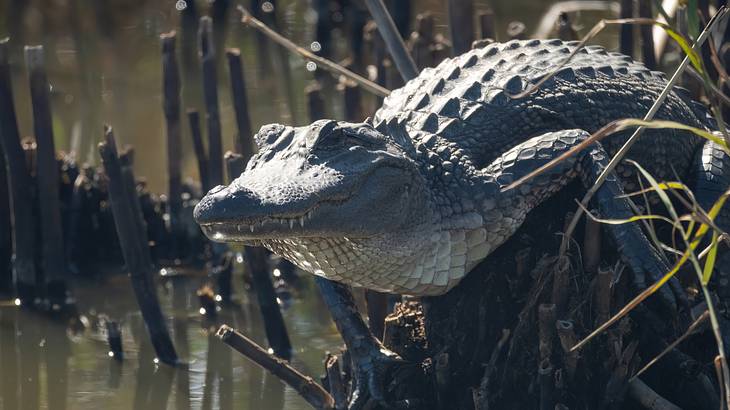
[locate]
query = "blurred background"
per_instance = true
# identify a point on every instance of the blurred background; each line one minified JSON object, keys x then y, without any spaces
{"x":104,"y":64}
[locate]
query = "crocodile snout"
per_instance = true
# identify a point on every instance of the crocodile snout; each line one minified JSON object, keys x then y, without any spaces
{"x":222,"y":204}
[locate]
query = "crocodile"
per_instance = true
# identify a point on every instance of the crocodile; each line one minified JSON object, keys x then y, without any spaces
{"x":411,"y":200}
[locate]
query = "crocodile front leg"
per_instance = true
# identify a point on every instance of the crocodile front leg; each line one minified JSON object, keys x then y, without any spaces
{"x":371,"y":359}
{"x":634,"y":248}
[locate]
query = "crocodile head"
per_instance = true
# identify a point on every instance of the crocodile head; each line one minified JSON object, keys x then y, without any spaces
{"x":332,"y":197}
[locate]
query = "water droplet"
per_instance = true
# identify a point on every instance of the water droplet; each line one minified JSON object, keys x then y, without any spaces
{"x":202,"y":311}
{"x":156,"y":361}
{"x":277,"y":273}
{"x":267,"y":7}
{"x":17,"y":301}
{"x":311,"y":66}
{"x":218,"y":298}
{"x":110,"y":354}
{"x":181,"y":5}
{"x":315,"y":46}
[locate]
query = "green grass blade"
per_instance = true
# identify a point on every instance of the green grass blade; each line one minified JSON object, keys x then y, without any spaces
{"x":710,"y":262}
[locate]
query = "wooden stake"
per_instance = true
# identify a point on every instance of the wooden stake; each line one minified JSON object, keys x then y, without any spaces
{"x":244,"y":144}
{"x":486,"y":25}
{"x":127,"y":224}
{"x":199,"y":148}
{"x":647,"y":36}
{"x":626,"y":35}
{"x":171,"y":106}
{"x":257,"y":262}
{"x":315,"y":103}
{"x":210,"y":92}
{"x":52,"y":241}
{"x":461,"y":25}
{"x":20,"y":188}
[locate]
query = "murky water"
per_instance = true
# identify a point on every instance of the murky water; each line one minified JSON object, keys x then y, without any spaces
{"x":46,"y":365}
{"x":104,"y":67}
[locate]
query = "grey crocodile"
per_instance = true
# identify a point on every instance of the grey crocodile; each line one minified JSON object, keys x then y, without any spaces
{"x":412,"y":199}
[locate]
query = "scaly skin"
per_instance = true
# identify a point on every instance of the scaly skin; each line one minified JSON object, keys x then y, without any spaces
{"x":410,"y":202}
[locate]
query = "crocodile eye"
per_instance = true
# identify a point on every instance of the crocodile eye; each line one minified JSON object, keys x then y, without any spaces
{"x":341,"y":138}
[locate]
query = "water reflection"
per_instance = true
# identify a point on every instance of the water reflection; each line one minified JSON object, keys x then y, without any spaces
{"x":8,"y":358}
{"x":56,"y":352}
{"x":45,"y":365}
{"x":218,"y":390}
{"x":28,"y":340}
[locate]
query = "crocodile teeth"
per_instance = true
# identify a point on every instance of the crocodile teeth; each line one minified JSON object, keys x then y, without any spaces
{"x":291,"y":224}
{"x":301,"y":221}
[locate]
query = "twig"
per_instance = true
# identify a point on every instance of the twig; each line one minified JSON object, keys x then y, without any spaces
{"x":312,"y":392}
{"x":20,"y":188}
{"x":53,"y":258}
{"x":402,"y":59}
{"x":328,"y":65}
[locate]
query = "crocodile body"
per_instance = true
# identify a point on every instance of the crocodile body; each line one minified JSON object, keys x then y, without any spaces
{"x":410,"y":201}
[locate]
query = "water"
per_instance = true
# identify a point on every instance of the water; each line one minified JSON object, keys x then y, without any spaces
{"x":104,"y":67}
{"x":46,"y":364}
